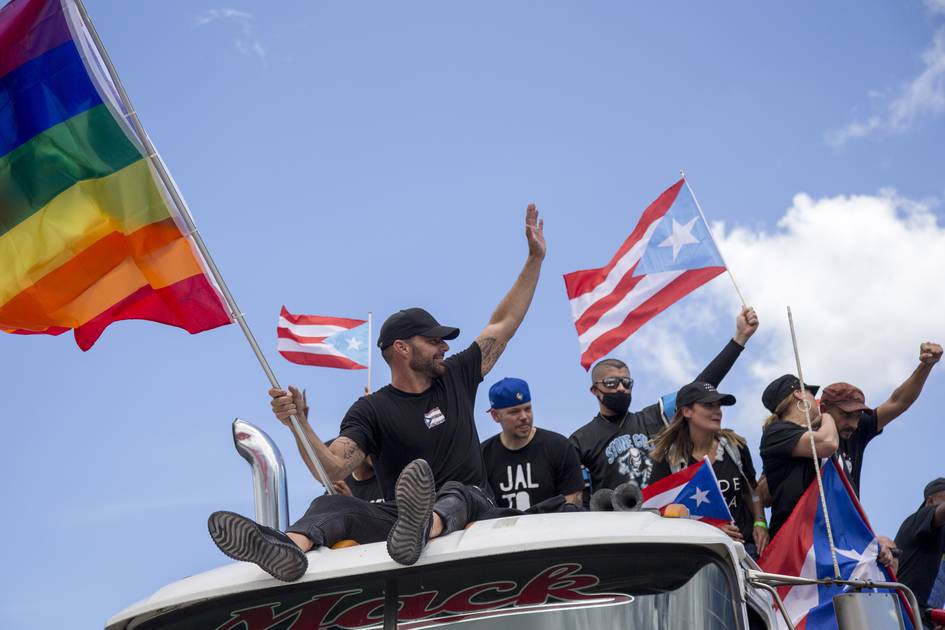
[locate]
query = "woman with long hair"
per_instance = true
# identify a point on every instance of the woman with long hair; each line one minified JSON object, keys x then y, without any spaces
{"x":696,"y":432}
{"x":786,"y":452}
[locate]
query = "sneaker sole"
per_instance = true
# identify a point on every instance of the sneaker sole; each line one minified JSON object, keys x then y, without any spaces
{"x":241,"y":539}
{"x":415,"y":495}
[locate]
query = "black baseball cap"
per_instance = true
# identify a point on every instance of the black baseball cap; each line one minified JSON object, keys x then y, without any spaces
{"x":934,"y":487}
{"x":778,"y":389}
{"x":411,"y":322}
{"x":701,"y":392}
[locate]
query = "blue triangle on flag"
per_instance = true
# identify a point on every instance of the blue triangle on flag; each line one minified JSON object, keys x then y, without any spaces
{"x":352,"y":343}
{"x":680,"y":241}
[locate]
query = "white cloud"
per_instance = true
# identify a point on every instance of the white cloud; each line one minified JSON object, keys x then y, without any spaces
{"x":922,"y":96}
{"x":246,"y":41}
{"x":862,"y":275}
{"x":935,"y":6}
{"x":212,"y":15}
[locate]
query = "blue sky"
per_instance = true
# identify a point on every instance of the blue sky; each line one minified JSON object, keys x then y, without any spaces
{"x":342,"y":158}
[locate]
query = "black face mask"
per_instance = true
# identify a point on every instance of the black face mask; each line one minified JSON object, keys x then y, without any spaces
{"x":617,"y":402}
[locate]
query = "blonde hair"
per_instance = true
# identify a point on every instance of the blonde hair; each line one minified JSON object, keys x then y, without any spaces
{"x":779,"y":410}
{"x":674,"y":444}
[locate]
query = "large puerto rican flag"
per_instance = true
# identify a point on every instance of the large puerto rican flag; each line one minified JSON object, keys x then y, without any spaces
{"x":696,"y":487}
{"x":337,"y":342}
{"x":801,"y":548}
{"x":669,"y":254}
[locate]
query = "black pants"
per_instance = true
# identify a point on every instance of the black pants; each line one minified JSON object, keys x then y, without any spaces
{"x":332,"y":518}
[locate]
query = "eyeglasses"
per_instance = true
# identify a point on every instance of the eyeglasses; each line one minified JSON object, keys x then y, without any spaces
{"x":611,"y":382}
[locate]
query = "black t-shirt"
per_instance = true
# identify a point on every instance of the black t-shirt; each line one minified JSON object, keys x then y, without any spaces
{"x":615,"y":449}
{"x":545,"y":467}
{"x":788,"y":476}
{"x":732,"y":483}
{"x":396,"y":427}
{"x":850,"y":452}
{"x":365,"y":489}
{"x":922,"y":567}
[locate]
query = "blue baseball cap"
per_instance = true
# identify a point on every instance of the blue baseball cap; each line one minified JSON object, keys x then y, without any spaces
{"x":509,"y":392}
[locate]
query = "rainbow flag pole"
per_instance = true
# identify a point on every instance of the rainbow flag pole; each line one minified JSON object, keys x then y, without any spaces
{"x":93,"y":229}
{"x":194,"y":234}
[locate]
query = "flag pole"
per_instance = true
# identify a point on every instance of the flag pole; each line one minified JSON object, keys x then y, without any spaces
{"x":810,"y":433}
{"x":370,"y":349}
{"x":158,"y":164}
{"x":699,"y":208}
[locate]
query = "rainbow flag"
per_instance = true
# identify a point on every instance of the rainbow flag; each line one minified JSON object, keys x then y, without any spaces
{"x":88,"y":233}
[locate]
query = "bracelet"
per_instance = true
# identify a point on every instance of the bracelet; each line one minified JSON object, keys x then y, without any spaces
{"x":761,"y":524}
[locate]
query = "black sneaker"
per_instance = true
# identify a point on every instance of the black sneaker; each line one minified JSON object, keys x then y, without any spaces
{"x":243,"y":539}
{"x":415,"y":494}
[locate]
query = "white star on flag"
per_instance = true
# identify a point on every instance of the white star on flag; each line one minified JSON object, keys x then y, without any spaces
{"x":700,"y":497}
{"x":354,"y":344}
{"x":682,"y":235}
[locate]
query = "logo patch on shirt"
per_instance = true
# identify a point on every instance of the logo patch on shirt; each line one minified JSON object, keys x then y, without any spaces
{"x":434,"y":417}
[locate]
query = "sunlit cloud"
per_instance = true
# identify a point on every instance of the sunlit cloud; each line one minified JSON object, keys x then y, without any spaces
{"x":923,"y":96}
{"x":246,"y":42}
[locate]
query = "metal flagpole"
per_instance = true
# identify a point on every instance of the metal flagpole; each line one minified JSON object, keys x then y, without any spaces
{"x":155,"y":159}
{"x":810,"y":433}
{"x":699,"y":208}
{"x":370,"y":349}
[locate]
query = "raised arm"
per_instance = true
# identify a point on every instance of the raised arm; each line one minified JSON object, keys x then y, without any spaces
{"x":907,"y":393}
{"x":826,"y":439}
{"x":511,"y":310}
{"x":338,"y":460}
{"x":746,"y":323}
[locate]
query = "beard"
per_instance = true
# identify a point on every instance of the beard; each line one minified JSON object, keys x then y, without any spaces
{"x":431,"y":366}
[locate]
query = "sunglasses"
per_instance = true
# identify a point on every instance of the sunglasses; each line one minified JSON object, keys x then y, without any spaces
{"x":611,"y":382}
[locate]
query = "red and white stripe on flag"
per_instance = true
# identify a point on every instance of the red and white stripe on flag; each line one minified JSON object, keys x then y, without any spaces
{"x":304,"y":339}
{"x":610,"y":303}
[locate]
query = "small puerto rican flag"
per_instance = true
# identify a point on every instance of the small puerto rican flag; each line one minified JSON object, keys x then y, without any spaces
{"x":696,"y":487}
{"x":337,"y":342}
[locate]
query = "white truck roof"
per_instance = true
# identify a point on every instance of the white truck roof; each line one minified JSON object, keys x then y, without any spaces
{"x":482,"y":539}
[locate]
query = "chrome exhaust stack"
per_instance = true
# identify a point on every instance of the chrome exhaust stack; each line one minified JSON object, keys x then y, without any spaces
{"x":269,"y":480}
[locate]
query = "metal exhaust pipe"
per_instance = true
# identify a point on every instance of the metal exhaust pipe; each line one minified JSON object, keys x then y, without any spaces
{"x":269,"y":480}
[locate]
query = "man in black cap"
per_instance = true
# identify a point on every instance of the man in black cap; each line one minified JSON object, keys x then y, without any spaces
{"x":921,"y":538}
{"x":858,"y":423}
{"x":614,"y":447}
{"x":419,"y":430}
{"x":786,"y":453}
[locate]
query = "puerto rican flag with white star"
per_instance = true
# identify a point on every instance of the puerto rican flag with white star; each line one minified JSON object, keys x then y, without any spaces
{"x":669,"y":253}
{"x":337,"y":342}
{"x":801,"y":548}
{"x":696,"y":487}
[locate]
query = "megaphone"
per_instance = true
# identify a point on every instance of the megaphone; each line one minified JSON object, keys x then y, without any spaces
{"x":627,"y":497}
{"x":602,"y":500}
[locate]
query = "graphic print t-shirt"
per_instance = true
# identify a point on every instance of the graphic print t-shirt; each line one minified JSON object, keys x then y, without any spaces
{"x":545,"y":467}
{"x":850,"y":452}
{"x":396,"y":427}
{"x":922,"y":567}
{"x":615,"y":450}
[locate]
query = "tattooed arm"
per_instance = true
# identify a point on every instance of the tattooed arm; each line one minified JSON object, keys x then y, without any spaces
{"x":511,"y":310}
{"x":339,"y":460}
